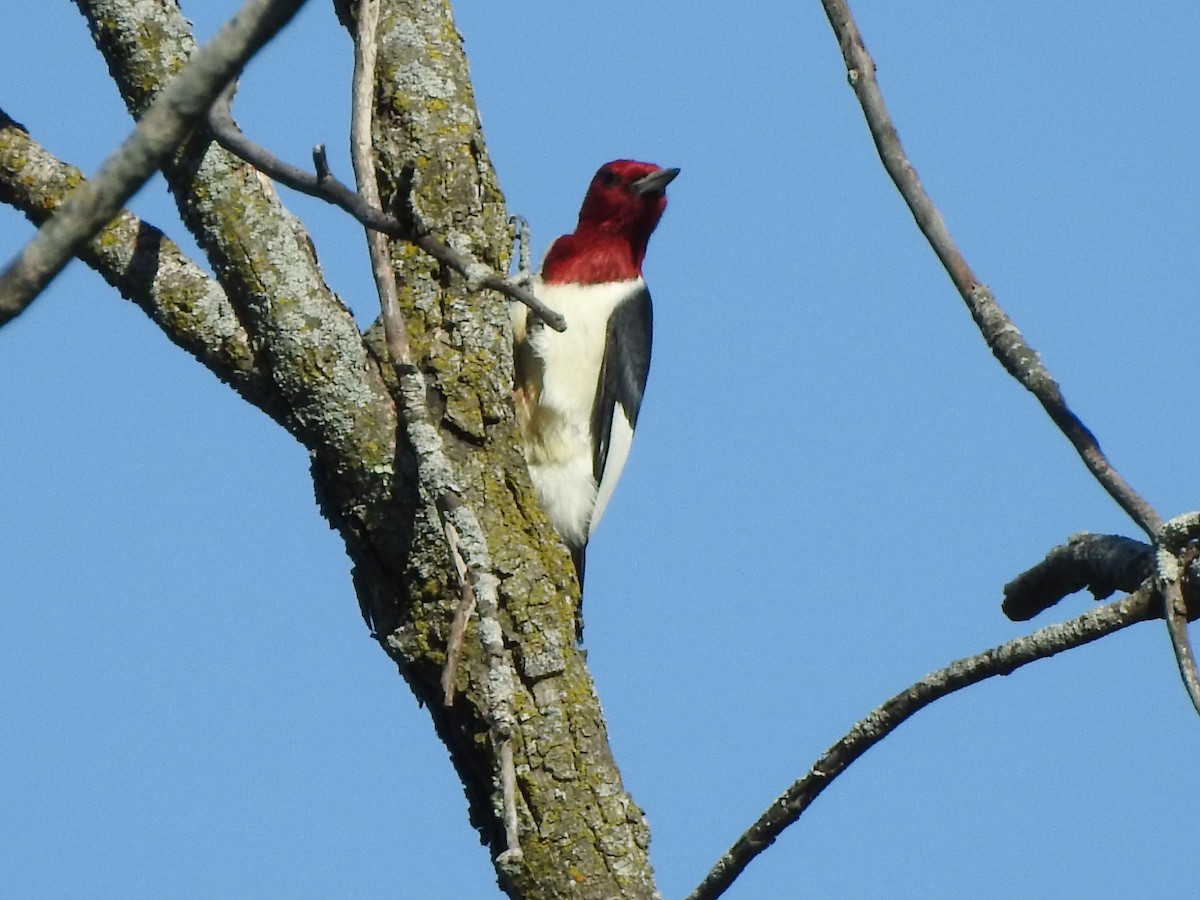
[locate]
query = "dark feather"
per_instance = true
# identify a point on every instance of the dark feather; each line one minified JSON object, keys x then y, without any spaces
{"x":623,"y":371}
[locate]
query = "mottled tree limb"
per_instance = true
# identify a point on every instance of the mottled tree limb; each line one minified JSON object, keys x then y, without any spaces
{"x":145,"y":266}
{"x":1006,"y":343}
{"x":158,"y":134}
{"x":338,"y":404}
{"x":1005,"y":659}
{"x":581,"y":835}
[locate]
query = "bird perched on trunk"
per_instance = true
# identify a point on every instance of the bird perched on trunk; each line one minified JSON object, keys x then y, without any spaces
{"x":578,"y":393}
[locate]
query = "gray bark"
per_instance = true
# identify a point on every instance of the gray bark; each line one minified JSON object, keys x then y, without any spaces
{"x":273,"y":329}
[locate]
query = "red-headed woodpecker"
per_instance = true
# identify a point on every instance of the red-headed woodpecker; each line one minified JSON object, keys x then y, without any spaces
{"x":578,"y":393}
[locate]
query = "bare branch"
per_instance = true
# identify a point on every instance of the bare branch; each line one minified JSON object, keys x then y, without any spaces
{"x":145,"y":266}
{"x":336,"y":396}
{"x":345,"y":406}
{"x":324,"y":186}
{"x":470,"y":557}
{"x":159,"y":133}
{"x":395,"y":330}
{"x":1009,"y":347}
{"x":524,"y":275}
{"x":1104,"y":563}
{"x":1001,"y":660}
{"x":1170,"y":559}
{"x":499,"y":688}
{"x":462,"y":617}
{"x":1002,"y":336}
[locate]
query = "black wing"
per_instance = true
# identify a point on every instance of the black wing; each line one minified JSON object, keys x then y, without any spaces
{"x":623,"y":372}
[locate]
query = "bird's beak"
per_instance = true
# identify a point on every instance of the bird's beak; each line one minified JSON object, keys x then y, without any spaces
{"x":655,"y":182}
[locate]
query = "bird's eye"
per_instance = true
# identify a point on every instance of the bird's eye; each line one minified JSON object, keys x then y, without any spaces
{"x":607,"y":177}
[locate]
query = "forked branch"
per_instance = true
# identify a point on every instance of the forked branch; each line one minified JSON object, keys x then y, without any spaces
{"x":1002,"y":660}
{"x":1174,"y":551}
{"x":1009,"y":347}
{"x":323,"y":185}
{"x":1060,"y":573}
{"x":159,"y":133}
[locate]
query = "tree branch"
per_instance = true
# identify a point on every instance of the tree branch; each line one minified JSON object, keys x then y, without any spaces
{"x":1104,"y":563}
{"x":1006,"y":343}
{"x":159,"y":133}
{"x":324,"y":186}
{"x":470,"y":556}
{"x":1172,"y":556}
{"x":431,"y":155}
{"x":1002,"y":660}
{"x":338,"y":405}
{"x":1002,"y":336}
{"x":430,"y":152}
{"x":1035,"y":589}
{"x":145,"y":266}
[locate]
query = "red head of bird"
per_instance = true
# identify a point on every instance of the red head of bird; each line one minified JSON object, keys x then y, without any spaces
{"x":623,"y":205}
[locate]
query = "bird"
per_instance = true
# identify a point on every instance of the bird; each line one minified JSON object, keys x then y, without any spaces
{"x":578,"y":392}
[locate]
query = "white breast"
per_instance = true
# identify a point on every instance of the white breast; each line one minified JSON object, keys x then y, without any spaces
{"x":560,"y":452}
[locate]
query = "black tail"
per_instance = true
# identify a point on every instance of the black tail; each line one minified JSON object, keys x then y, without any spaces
{"x":577,"y":557}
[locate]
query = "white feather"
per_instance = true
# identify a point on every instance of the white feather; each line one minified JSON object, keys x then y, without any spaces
{"x":559,"y":443}
{"x":619,"y":443}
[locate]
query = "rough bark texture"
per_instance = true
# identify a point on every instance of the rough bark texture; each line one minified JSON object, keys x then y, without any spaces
{"x":276,"y":331}
{"x":144,"y":265}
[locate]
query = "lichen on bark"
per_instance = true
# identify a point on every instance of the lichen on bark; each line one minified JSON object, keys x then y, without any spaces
{"x":581,"y":834}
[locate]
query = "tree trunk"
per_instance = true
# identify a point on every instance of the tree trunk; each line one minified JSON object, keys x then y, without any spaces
{"x":581,"y":835}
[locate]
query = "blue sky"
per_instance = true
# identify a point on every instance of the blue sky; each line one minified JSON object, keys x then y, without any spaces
{"x":831,"y":483}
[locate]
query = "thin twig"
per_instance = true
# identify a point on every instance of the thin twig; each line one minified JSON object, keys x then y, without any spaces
{"x":1002,"y":336}
{"x":324,"y":186}
{"x":395,"y":330}
{"x":1169,"y":563}
{"x":1001,"y":660}
{"x":166,"y":124}
{"x":508,"y":792}
{"x":465,"y":540}
{"x":521,"y":230}
{"x":462,"y":616}
{"x":499,"y":688}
